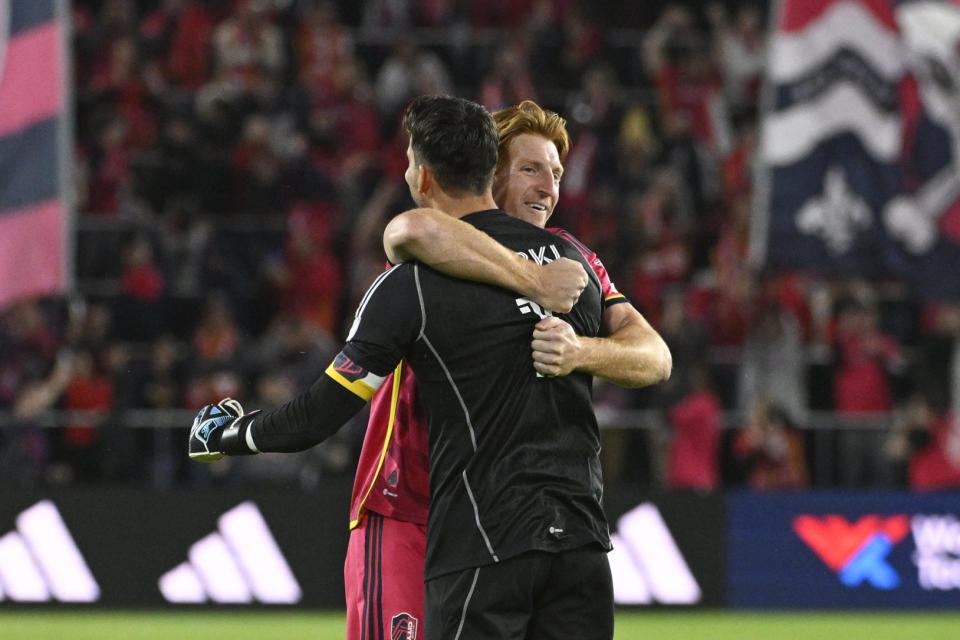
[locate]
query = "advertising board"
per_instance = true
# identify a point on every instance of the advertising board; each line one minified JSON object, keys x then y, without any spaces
{"x":120,"y":548}
{"x":138,"y":548}
{"x":832,"y":549}
{"x":667,"y":548}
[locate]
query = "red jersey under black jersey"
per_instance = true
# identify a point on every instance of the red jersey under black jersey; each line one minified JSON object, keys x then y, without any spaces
{"x":393,"y":473}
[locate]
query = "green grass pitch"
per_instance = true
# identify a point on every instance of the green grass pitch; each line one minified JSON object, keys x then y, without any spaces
{"x":38,"y":624}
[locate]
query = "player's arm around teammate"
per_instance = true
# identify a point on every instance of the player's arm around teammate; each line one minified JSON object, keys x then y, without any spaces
{"x":629,"y":353}
{"x":461,"y":250}
{"x":533,"y":142}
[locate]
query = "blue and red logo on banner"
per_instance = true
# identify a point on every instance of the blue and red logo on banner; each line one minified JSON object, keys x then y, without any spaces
{"x":856,"y":551}
{"x":843,"y":549}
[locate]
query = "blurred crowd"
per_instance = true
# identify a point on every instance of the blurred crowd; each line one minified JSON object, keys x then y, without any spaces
{"x":237,"y":160}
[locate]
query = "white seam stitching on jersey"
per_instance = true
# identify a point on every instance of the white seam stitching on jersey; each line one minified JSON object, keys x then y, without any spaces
{"x":466,"y":414}
{"x":363,"y":302}
{"x":466,"y":603}
{"x":426,"y":341}
{"x":423,"y":310}
{"x":371,"y":289}
{"x":476,"y":517}
{"x":456,"y":391}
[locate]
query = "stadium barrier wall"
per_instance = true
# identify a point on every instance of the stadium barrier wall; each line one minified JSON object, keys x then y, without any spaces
{"x":134,"y":548}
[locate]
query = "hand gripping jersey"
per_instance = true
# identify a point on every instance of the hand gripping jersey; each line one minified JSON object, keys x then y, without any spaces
{"x":393,"y":471}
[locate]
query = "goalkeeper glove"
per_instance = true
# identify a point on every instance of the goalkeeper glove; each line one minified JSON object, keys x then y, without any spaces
{"x":220,"y":429}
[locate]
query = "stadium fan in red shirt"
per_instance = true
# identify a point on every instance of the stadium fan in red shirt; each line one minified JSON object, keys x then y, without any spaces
{"x":383,"y":572}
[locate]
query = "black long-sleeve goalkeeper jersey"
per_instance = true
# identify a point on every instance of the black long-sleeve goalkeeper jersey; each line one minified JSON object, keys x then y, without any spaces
{"x":514,"y":456}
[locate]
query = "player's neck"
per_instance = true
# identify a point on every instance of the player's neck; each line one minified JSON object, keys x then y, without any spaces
{"x":459,"y":207}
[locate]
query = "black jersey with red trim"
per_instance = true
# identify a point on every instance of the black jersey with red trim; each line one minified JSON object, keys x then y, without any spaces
{"x":514,"y":456}
{"x":611,"y":295}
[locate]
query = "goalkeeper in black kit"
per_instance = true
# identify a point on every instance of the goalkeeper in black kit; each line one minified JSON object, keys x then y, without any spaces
{"x":516,"y":536}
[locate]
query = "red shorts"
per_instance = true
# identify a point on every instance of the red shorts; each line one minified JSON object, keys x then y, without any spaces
{"x":383,"y":575}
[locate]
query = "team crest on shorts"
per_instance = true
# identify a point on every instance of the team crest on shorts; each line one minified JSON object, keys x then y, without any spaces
{"x":403,"y":626}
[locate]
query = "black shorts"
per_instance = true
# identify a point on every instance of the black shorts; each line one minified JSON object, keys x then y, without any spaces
{"x":534,"y":596}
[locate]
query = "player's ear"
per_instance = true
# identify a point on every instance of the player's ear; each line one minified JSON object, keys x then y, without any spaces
{"x":425,"y":179}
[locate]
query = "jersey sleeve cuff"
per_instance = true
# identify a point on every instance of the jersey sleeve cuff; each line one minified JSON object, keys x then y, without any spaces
{"x":616,"y":298}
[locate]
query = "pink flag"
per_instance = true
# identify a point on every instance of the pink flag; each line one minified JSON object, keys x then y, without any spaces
{"x":32,"y":109}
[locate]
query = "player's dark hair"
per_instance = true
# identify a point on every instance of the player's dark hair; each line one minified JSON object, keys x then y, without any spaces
{"x":457,"y":139}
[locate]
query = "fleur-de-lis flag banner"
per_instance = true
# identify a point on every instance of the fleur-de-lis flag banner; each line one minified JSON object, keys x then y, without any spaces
{"x":859,"y":150}
{"x":32,"y":106}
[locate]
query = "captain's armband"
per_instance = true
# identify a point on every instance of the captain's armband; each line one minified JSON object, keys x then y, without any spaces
{"x":353,"y":377}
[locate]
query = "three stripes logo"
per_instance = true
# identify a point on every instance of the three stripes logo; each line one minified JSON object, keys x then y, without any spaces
{"x":646,"y":564}
{"x":237,"y":564}
{"x":40,"y":562}
{"x":857,"y":551}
